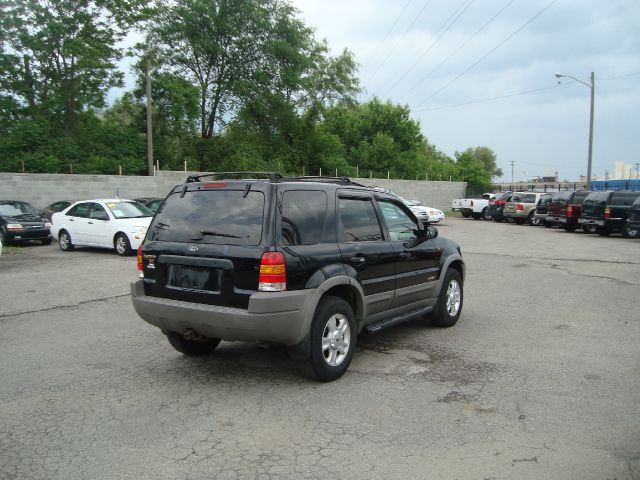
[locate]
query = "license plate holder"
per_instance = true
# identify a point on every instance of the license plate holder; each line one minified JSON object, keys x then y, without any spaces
{"x":199,"y":279}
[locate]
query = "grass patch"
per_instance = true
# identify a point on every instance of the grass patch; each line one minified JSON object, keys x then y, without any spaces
{"x":454,"y":214}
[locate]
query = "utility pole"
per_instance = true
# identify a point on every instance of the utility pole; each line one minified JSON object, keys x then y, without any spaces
{"x":149,"y":115}
{"x":512,"y":164}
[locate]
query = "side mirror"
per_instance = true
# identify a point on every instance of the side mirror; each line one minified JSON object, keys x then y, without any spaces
{"x":431,"y":231}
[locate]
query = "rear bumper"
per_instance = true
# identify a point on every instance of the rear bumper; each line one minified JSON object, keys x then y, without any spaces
{"x":556,"y":220}
{"x":275,"y":317}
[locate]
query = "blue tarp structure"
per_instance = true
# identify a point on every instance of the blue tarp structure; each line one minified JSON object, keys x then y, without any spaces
{"x":616,"y":185}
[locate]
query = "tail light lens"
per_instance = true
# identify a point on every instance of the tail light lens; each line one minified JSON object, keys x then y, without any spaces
{"x":520,"y":206}
{"x":569,"y":211}
{"x":607,"y":212}
{"x":273,"y":276}
{"x":140,"y":262}
{"x":500,"y":202}
{"x":471,"y":203}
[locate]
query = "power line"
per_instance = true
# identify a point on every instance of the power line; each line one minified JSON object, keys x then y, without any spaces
{"x":620,"y":76}
{"x":458,"y":49}
{"x":399,"y":39}
{"x":484,"y":100}
{"x":441,"y":89}
{"x":389,"y":31}
{"x":457,"y":13}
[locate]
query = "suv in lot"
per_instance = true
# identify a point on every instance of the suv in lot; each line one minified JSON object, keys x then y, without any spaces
{"x":305,"y":262}
{"x":607,"y":211}
{"x":632,"y":228}
{"x":565,"y":209}
{"x":521,"y":207}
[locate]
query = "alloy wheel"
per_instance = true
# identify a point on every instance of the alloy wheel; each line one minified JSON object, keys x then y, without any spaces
{"x":453,"y":298}
{"x":336,"y":339}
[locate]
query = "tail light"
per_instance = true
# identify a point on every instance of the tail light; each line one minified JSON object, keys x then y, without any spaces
{"x":500,"y":202}
{"x":569,"y":211}
{"x":471,"y":203}
{"x":273,"y":276}
{"x":607,"y":212}
{"x":520,"y":206}
{"x":140,"y":262}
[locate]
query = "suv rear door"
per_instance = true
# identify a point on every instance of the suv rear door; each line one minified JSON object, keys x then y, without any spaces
{"x":366,"y":253}
{"x":205,"y":244}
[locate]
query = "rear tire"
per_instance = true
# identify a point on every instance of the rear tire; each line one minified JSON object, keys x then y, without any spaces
{"x":449,"y":306}
{"x":122,"y":245}
{"x":192,"y":348}
{"x":64,"y":241}
{"x":630,"y":232}
{"x":486,"y":214}
{"x":333,"y":340}
{"x":588,"y":228}
{"x":533,"y":220}
{"x":476,"y":216}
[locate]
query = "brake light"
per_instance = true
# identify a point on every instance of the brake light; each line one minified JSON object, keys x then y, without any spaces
{"x":140,"y":261}
{"x":471,"y":203}
{"x":500,"y":202}
{"x":607,"y":212}
{"x":569,"y":211}
{"x":214,"y":184}
{"x":520,"y":206}
{"x":273,"y":276}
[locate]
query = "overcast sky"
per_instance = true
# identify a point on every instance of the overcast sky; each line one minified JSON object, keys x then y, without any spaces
{"x":422,"y":53}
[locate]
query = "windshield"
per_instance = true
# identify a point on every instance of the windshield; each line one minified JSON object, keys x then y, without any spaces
{"x":229,"y":217}
{"x":15,"y":209}
{"x":128,"y":210}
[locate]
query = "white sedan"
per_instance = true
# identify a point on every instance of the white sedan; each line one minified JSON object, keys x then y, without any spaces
{"x":106,"y":223}
{"x":424,"y":214}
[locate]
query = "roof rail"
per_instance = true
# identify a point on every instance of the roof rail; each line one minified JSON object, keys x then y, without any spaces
{"x":242,"y":175}
{"x":320,"y":178}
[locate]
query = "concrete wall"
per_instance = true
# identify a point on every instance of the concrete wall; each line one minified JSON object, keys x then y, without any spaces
{"x":42,"y":189}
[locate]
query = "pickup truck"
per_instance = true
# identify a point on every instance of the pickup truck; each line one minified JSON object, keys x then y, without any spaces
{"x":472,"y":207}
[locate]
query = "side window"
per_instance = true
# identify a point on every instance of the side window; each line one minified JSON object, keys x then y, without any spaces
{"x":401,"y":226}
{"x":80,"y":210}
{"x":529,"y":198}
{"x":303,"y":215}
{"x":98,"y":212}
{"x":358,"y":221}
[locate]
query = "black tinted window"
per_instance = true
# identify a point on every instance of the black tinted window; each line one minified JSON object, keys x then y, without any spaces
{"x":80,"y":210}
{"x":303,"y":215}
{"x":210,"y":216}
{"x":358,"y":221}
{"x":400,"y":225}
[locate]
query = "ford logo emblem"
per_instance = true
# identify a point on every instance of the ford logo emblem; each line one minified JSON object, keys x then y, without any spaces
{"x":193,"y":248}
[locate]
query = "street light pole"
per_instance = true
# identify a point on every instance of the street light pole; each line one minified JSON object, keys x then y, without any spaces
{"x":591,"y":86}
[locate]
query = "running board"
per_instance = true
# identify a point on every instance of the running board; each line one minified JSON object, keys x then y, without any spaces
{"x":389,"y":322}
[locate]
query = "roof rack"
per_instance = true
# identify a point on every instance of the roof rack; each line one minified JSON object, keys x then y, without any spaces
{"x":312,"y":178}
{"x":270,"y":175}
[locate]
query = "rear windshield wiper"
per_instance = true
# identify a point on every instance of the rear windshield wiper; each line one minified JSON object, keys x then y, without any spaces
{"x":215,"y":234}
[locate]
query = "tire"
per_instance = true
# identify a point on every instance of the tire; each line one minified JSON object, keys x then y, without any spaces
{"x":333,"y":340}
{"x":603,"y":231}
{"x":631,"y":232}
{"x":192,"y":348}
{"x":533,"y":221}
{"x":64,"y":241}
{"x":588,"y":228}
{"x":122,"y":245}
{"x":476,"y":216}
{"x":486,"y":215}
{"x":570,"y":228}
{"x":46,"y":241}
{"x":450,"y":299}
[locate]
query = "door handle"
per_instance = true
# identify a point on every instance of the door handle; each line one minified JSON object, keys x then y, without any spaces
{"x":404,"y":255}
{"x":358,"y":260}
{"x":90,"y":223}
{"x":71,"y":219}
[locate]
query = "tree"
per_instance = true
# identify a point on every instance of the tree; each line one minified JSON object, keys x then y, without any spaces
{"x":58,"y":56}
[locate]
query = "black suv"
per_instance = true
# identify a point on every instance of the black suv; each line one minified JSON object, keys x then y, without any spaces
{"x":304,"y":262}
{"x":632,"y":227}
{"x":607,"y":211}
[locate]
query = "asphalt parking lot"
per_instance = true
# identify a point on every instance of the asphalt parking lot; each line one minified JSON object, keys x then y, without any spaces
{"x":539,"y":378}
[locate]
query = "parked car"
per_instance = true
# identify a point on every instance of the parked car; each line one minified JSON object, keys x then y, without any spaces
{"x":152,"y":203}
{"x":495,"y":210}
{"x":58,"y":206}
{"x":22,"y":222}
{"x":105,"y":223}
{"x":308,"y":264}
{"x":521,"y":207}
{"x":424,"y":214}
{"x":476,"y":207}
{"x":607,"y":211}
{"x":565,"y":209}
{"x":632,"y":227}
{"x":540,"y":212}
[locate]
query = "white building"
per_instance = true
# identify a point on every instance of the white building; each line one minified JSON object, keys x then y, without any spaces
{"x":622,"y":171}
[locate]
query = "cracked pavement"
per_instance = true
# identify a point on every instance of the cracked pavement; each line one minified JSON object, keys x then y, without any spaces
{"x":539,"y":378}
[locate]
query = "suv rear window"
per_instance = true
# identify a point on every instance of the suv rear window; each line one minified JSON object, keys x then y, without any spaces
{"x":224,"y":217}
{"x":303,"y":215}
